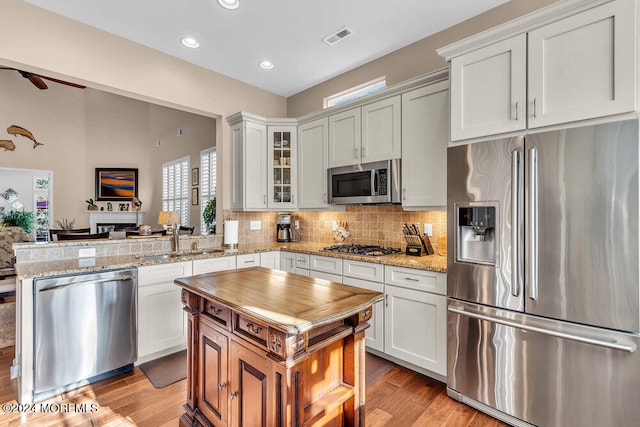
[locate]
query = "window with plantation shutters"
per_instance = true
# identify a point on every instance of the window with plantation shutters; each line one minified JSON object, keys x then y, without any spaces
{"x":175,"y":188}
{"x":207,"y":180}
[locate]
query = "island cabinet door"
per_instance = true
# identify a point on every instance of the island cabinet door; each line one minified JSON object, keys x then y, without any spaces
{"x":213,"y":390}
{"x":252,"y":393}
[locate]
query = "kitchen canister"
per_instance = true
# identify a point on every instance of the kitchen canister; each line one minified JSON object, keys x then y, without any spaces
{"x":231,"y":233}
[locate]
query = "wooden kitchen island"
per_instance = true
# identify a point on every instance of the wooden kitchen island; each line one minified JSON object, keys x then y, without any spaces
{"x":269,"y":348}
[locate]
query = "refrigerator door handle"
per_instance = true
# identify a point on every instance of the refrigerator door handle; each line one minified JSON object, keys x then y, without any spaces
{"x":612,"y":344}
{"x":533,"y":223}
{"x":515,"y":228}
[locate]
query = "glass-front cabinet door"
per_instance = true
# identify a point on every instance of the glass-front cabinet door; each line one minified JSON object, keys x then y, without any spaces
{"x":282,"y":166}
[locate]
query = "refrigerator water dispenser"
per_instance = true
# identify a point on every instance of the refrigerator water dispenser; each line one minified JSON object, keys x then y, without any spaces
{"x":477,"y":234}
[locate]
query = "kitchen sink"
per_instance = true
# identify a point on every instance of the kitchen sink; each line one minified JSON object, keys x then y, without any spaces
{"x":178,"y":254}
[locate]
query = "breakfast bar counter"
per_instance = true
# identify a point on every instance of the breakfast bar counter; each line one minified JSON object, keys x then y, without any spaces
{"x":267,"y":347}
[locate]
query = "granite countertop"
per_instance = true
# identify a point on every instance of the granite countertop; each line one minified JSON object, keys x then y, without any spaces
{"x":435,"y":263}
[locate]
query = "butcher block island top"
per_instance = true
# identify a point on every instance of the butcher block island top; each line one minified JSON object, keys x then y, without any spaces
{"x":271,"y":348}
{"x":289,"y":302}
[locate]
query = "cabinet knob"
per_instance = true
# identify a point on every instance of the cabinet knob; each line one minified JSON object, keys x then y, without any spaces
{"x":234,"y":394}
{"x":222,"y":386}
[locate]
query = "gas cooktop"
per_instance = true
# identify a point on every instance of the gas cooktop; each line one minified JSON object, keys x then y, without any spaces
{"x":367,"y":250}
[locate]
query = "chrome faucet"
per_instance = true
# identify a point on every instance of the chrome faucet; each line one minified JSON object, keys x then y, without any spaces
{"x":175,"y":241}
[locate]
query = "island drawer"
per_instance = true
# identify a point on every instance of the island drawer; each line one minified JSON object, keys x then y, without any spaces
{"x":251,"y":329}
{"x":217,"y":311}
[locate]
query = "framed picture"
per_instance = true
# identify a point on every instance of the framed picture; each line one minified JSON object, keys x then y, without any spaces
{"x":195,"y":176}
{"x":194,"y":196}
{"x":116,"y":184}
{"x":123,"y":207}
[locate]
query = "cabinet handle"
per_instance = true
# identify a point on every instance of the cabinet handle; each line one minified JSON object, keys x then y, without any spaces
{"x":404,"y":194}
{"x":535,"y":108}
{"x":234,"y":394}
{"x":324,"y":197}
{"x":362,"y":150}
{"x":517,"y":110}
{"x":386,"y":300}
{"x":411,"y":279}
{"x":222,"y":386}
{"x":293,"y":198}
{"x":355,"y":152}
{"x":216,"y":311}
{"x":264,"y":198}
{"x":254,"y":330}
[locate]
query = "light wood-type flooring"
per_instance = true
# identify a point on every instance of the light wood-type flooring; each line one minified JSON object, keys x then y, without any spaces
{"x":398,"y":398}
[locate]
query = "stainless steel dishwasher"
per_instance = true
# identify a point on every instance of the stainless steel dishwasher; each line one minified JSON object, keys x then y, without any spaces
{"x":85,"y":329}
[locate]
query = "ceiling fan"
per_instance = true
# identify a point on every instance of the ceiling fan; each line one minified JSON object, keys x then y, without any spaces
{"x":37,"y":81}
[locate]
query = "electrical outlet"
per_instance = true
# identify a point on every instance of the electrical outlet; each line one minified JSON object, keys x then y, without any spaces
{"x":428,"y":229}
{"x":158,"y":143}
{"x":334,"y":226}
{"x":180,"y":132}
{"x":296,"y":224}
{"x":255,"y":225}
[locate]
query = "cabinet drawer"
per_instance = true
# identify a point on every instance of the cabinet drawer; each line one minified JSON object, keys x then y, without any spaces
{"x":248,"y":260}
{"x":217,"y":311}
{"x":326,"y":264}
{"x":163,"y":272}
{"x":363,"y":270}
{"x":326,"y":276}
{"x":210,"y":265}
{"x":301,"y":261}
{"x":251,"y":329}
{"x":421,"y":280}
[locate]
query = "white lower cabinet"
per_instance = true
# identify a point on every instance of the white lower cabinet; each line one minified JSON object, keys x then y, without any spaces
{"x":415,"y":327}
{"x":374,"y":335}
{"x":288,"y":262}
{"x":201,"y":266}
{"x":161,"y":320}
{"x":270,"y":260}
{"x":248,"y":260}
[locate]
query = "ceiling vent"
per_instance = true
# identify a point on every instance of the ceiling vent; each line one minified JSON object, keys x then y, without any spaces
{"x":338,"y":36}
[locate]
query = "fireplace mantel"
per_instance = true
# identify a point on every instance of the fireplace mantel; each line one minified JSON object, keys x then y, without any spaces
{"x":114,"y":217}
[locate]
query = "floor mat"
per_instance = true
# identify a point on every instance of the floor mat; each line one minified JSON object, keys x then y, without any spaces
{"x":166,"y":370}
{"x":375,"y":367}
{"x":169,"y":369}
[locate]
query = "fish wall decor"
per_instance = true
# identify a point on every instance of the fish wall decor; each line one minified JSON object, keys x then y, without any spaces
{"x":8,"y":145}
{"x":17,"y":130}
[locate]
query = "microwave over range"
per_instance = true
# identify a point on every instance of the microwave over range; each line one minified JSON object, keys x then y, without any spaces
{"x":366,"y":183}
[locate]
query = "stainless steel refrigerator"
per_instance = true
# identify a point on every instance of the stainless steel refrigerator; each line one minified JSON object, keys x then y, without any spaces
{"x":543,"y":277}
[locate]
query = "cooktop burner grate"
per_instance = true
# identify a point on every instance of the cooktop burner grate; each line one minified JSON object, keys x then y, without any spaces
{"x":368,"y":250}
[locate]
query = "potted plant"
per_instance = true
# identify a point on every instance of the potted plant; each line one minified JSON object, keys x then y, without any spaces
{"x":91,"y":205}
{"x":21,"y":219}
{"x":209,"y":216}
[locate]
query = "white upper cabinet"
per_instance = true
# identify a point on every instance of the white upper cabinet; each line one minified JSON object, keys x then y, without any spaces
{"x":313,"y":158}
{"x":344,"y":138}
{"x":381,"y":130}
{"x":568,"y":62}
{"x":366,"y":134}
{"x":263,"y":162}
{"x":248,"y":164}
{"x":425,"y":135}
{"x":583,"y":66}
{"x":488,"y":90}
{"x":255,"y":166}
{"x":282,"y":166}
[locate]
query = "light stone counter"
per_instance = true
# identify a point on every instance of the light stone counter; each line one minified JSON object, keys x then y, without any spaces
{"x":114,"y":260}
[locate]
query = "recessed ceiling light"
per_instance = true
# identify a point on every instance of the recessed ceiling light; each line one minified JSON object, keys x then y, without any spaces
{"x":190,"y":42}
{"x":266,"y":65}
{"x":229,"y":4}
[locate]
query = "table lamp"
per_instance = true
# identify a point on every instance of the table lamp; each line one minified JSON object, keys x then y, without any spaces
{"x":171,"y":219}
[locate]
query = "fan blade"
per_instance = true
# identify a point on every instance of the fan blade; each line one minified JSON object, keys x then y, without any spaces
{"x":37,"y":82}
{"x":64,"y":83}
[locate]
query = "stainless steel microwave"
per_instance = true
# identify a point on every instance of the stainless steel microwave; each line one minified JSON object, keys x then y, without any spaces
{"x":367,"y":183}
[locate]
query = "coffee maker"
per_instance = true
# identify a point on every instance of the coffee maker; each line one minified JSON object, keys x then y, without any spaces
{"x":284,"y":231}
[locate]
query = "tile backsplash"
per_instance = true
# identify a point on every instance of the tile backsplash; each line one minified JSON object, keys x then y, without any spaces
{"x":368,"y":225}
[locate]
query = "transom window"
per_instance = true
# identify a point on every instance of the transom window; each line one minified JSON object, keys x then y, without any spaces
{"x":356,"y":92}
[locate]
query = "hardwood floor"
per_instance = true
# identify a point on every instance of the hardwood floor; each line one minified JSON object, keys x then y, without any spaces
{"x":398,"y":398}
